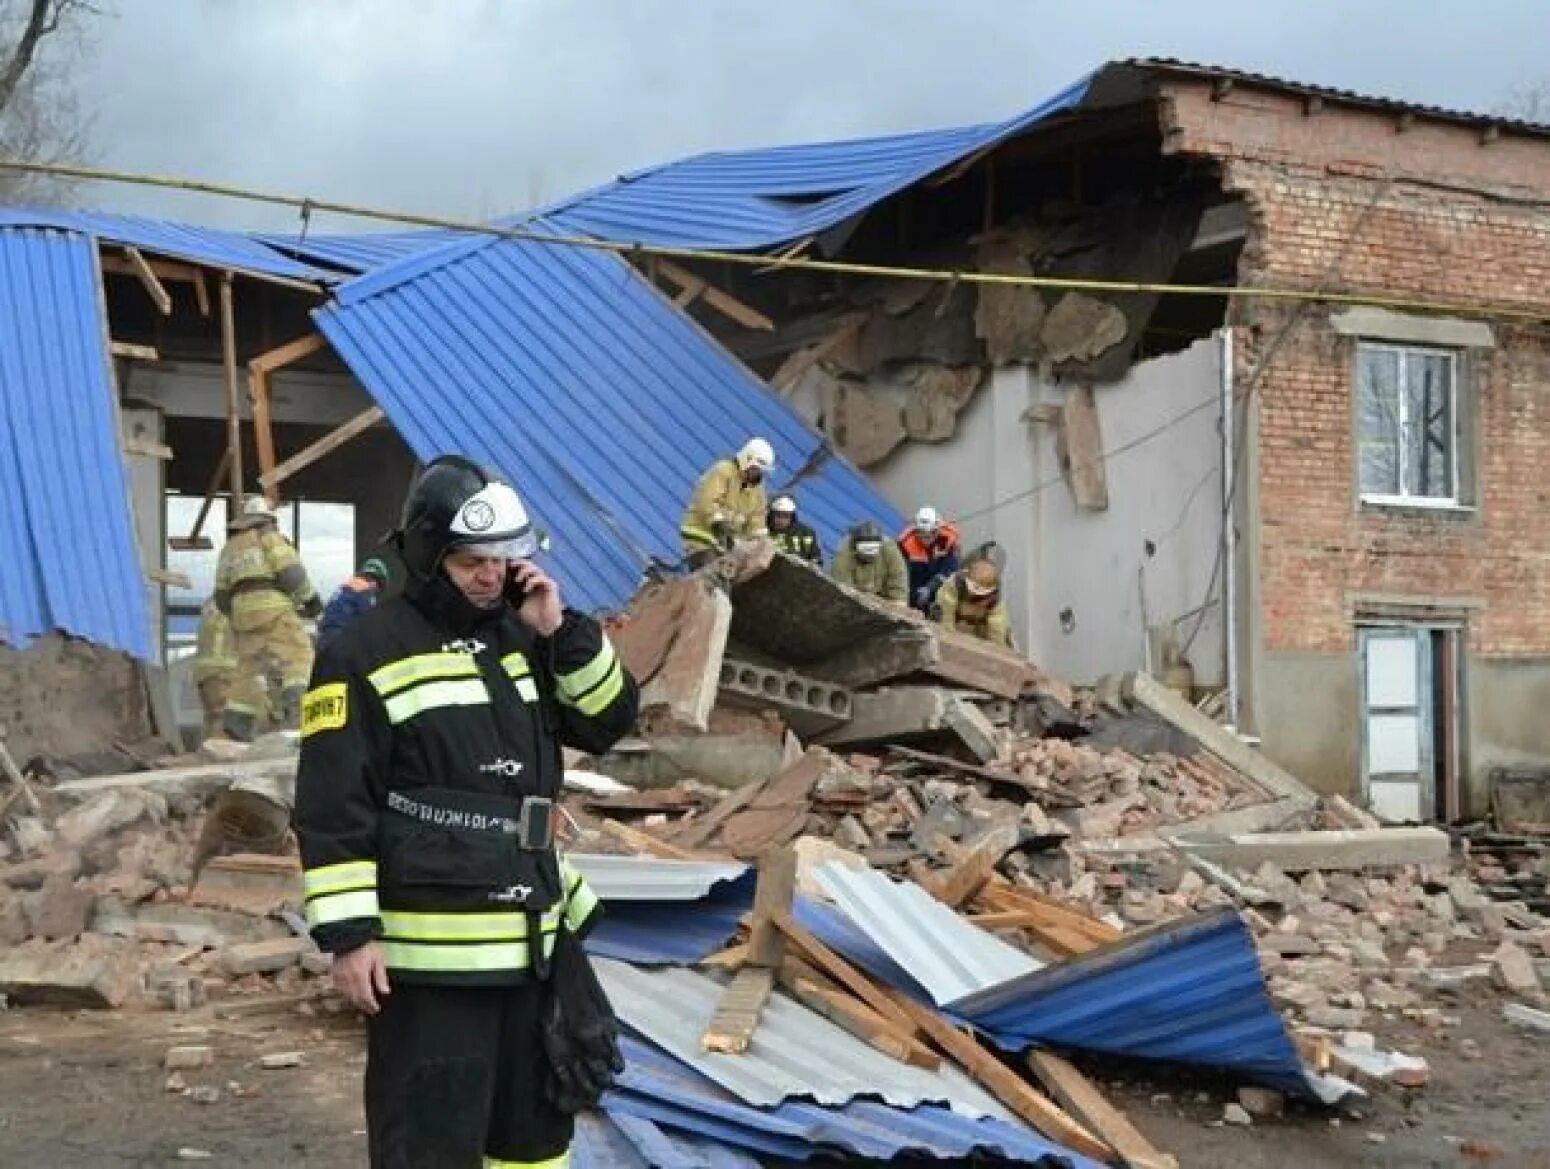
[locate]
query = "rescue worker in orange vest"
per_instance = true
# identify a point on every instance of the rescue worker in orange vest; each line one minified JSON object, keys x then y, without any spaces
{"x":930,"y":546}
{"x":790,"y":534}
{"x":728,"y":504}
{"x":970,"y":600}
{"x":353,"y":599}
{"x":261,"y":586}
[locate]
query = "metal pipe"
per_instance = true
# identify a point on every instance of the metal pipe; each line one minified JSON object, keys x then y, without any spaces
{"x":1229,"y":538}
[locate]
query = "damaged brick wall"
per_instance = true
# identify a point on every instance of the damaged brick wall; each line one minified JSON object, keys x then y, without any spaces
{"x":1444,"y":226}
{"x":67,"y":698}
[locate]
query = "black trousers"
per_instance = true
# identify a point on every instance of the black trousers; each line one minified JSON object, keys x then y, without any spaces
{"x":455,"y":1080}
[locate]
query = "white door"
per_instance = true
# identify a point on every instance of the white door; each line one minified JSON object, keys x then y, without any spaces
{"x":1397,"y":722}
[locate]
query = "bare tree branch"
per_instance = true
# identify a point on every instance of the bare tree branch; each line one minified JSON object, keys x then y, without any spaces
{"x":41,"y":21}
{"x":41,"y":117}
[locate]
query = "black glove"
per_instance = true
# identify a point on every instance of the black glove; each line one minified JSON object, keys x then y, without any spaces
{"x":312,"y":607}
{"x":580,"y":1034}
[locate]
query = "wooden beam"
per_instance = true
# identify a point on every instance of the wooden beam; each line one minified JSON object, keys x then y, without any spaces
{"x":147,"y":449}
{"x":169,"y":577}
{"x":164,"y":269}
{"x":1002,"y":1082}
{"x":696,"y":832}
{"x":846,"y":975}
{"x":233,"y":419}
{"x":287,"y":354}
{"x":1063,"y":930}
{"x":153,"y":286}
{"x":772,"y":900}
{"x":856,"y":1017}
{"x":201,"y":293}
{"x":723,"y":302}
{"x":194,"y":540}
{"x":737,"y":1014}
{"x":967,"y":876}
{"x":645,"y":844}
{"x":1078,"y":1096}
{"x":330,"y":442}
{"x":728,"y":959}
{"x":132,"y":352}
{"x":263,"y":429}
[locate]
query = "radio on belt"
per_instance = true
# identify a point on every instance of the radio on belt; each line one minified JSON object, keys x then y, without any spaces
{"x":535,"y":823}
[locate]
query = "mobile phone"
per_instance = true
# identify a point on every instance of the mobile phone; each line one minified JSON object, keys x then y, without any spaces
{"x":515,"y":590}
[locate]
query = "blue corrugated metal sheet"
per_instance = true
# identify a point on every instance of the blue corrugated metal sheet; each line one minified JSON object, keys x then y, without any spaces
{"x":362,"y":252}
{"x":600,"y":401}
{"x":1189,"y":992}
{"x":207,"y":245}
{"x":622,"y":1141}
{"x":67,"y":547}
{"x":748,"y":199}
{"x":672,"y":933}
{"x":659,"y":1088}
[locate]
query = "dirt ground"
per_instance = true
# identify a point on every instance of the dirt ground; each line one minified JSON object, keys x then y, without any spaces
{"x":87,"y":1091}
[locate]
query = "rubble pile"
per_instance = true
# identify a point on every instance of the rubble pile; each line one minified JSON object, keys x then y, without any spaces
{"x":101,"y":906}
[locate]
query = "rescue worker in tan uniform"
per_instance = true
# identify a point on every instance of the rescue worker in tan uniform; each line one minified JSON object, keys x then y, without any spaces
{"x":871,"y":564}
{"x":970,"y":601}
{"x":261,"y":585}
{"x":728,"y":503}
{"x":215,"y":665}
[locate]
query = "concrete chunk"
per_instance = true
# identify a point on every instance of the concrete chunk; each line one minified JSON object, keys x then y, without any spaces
{"x":795,"y":614}
{"x":1514,"y":970}
{"x":808,"y":705}
{"x":264,"y":957}
{"x":673,"y":644}
{"x":1299,"y":851}
{"x":63,"y":979}
{"x":1527,"y":1016}
{"x":904,"y":714}
{"x":180,"y":1059}
{"x":188,"y":925}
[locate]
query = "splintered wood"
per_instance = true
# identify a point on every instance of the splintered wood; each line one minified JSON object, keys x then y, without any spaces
{"x":737,"y":1013}
{"x":1077,"y":1095}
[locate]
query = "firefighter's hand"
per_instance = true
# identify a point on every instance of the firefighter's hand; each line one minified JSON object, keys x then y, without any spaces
{"x":541,"y":610}
{"x":361,"y":976}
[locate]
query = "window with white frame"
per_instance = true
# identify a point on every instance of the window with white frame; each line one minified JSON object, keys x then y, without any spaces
{"x":1407,"y":400}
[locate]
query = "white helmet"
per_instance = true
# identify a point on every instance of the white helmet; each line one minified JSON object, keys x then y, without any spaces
{"x":256,"y":507}
{"x":784,"y":505}
{"x":756,"y":452}
{"x":927,"y":521}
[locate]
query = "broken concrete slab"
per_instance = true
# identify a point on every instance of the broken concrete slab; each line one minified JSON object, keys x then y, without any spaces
{"x":1527,"y":1016}
{"x":883,"y":658}
{"x":189,"y":925}
{"x":795,"y":614}
{"x":60,"y":910}
{"x":740,"y":748}
{"x":672,"y":643}
{"x":808,"y":705}
{"x":252,"y":883}
{"x":977,"y":664}
{"x":264,"y":957}
{"x":1514,"y":971}
{"x":63,"y":977}
{"x":1300,"y":851}
{"x":1218,"y":740}
{"x":106,"y":813}
{"x":171,"y":782}
{"x":909,"y":713}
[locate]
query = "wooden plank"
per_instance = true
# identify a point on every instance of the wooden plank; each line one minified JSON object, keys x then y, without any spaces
{"x":1002,"y":1082}
{"x":1063,"y":930}
{"x":201,"y":293}
{"x":1078,"y":1096}
{"x":846,"y":975}
{"x":169,"y":577}
{"x":645,"y":844}
{"x":967,"y":876}
{"x":194,"y":539}
{"x":772,"y":900}
{"x":974,"y":770}
{"x":697,"y":832}
{"x":326,"y":445}
{"x":146,"y":449}
{"x":131,"y":352}
{"x":263,"y":428}
{"x":153,"y":285}
{"x":728,"y":959}
{"x":1081,"y":450}
{"x":287,"y":354}
{"x":233,"y":419}
{"x":723,"y":302}
{"x":737,"y":1014}
{"x":856,"y":1017}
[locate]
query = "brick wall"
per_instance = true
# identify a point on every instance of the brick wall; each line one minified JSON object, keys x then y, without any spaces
{"x":1344,"y":199}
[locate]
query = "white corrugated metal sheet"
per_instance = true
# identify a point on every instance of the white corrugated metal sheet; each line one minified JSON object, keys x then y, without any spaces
{"x":641,"y":878}
{"x":795,"y":1054}
{"x":947,"y":955}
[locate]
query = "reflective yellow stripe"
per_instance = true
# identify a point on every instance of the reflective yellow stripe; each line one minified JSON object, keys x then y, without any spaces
{"x":578,"y":682}
{"x":339,"y":878}
{"x":697,"y":535}
{"x":527,"y":689}
{"x":421,"y":668}
{"x":560,"y":1162}
{"x":501,"y":926}
{"x":332,"y":907}
{"x":515,"y":664}
{"x":433,"y":695}
{"x":580,"y":906}
{"x":602,"y":696}
{"x":469,"y":957}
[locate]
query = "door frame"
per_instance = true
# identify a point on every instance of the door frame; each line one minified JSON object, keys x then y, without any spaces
{"x":1434,"y":770}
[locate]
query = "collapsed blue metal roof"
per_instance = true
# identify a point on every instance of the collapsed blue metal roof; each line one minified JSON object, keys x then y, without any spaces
{"x":356,"y":253}
{"x":205,"y":245}
{"x":67,"y":546}
{"x":661,"y":1089}
{"x":760,"y":198}
{"x":1189,"y":991}
{"x":602,"y":403}
{"x":672,"y":933}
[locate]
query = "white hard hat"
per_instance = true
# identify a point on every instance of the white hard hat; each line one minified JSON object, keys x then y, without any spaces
{"x":756,"y":452}
{"x":784,"y":505}
{"x":257,"y":507}
{"x":927,"y":520}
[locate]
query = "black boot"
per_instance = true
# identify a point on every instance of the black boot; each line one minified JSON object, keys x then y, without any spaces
{"x":290,"y":707}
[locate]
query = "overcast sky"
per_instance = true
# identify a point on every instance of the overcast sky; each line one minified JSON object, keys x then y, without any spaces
{"x":479,"y":107}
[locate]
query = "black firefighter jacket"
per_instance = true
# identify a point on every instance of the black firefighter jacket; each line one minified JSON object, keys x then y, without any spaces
{"x":431,"y":737}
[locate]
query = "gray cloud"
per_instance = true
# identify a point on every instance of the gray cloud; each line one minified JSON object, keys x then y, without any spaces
{"x":477,"y":107}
